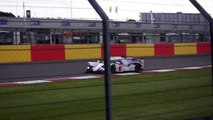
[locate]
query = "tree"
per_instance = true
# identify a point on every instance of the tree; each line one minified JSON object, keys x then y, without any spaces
{"x":6,"y":14}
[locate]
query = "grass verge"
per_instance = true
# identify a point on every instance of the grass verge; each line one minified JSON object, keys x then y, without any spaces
{"x":162,"y":96}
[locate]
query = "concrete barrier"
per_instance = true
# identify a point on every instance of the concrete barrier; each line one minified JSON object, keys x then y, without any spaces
{"x":86,"y":51}
{"x":47,"y":52}
{"x":203,"y":48}
{"x":185,"y":48}
{"x":33,"y":53}
{"x":13,"y":53}
{"x":137,"y":50}
{"x":164,"y":49}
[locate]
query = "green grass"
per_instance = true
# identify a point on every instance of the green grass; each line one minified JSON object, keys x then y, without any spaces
{"x":161,"y":96}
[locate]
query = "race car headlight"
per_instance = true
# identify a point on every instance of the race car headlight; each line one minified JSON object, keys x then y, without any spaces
{"x":101,"y":69}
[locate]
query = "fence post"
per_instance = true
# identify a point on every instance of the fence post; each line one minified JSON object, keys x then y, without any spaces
{"x":107,"y":72}
{"x":210,"y":20}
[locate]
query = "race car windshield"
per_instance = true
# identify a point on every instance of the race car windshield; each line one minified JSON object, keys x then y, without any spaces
{"x":126,"y":62}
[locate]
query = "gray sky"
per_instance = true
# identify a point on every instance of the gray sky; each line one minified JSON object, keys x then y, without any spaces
{"x":127,"y":9}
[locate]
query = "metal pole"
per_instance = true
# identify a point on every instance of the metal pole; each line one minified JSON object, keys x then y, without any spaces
{"x":24,"y":10}
{"x":201,"y":9}
{"x":209,"y":18}
{"x":71,"y":8}
{"x":211,"y":37}
{"x":107,"y":72}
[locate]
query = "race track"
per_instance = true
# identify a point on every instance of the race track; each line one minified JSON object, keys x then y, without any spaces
{"x":36,"y":71}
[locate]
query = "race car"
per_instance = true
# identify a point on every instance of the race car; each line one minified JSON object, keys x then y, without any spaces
{"x":117,"y":65}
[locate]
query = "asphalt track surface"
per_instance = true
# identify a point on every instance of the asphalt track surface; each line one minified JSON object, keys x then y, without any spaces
{"x":43,"y":70}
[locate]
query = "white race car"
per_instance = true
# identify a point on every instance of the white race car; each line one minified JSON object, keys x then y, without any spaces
{"x":117,"y":64}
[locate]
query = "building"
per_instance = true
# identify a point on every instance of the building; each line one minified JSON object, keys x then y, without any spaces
{"x":152,"y":28}
{"x":176,"y":19}
{"x":179,"y":17}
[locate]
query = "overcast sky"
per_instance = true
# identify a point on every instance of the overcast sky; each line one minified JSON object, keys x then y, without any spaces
{"x":126,"y":9}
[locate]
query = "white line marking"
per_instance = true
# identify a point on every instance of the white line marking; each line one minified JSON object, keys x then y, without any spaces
{"x":192,"y":68}
{"x":59,"y":79}
{"x":8,"y":83}
{"x":84,"y":77}
{"x":32,"y":82}
{"x":163,"y":70}
{"x":125,"y":74}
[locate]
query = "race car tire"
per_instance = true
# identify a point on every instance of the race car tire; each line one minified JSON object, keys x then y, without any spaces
{"x":113,"y":69}
{"x":137,"y":68}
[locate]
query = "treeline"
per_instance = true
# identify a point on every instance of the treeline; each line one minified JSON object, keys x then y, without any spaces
{"x":6,"y":14}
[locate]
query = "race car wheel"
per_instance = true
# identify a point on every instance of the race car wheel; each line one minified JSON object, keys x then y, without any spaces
{"x":137,"y":68}
{"x":113,"y":69}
